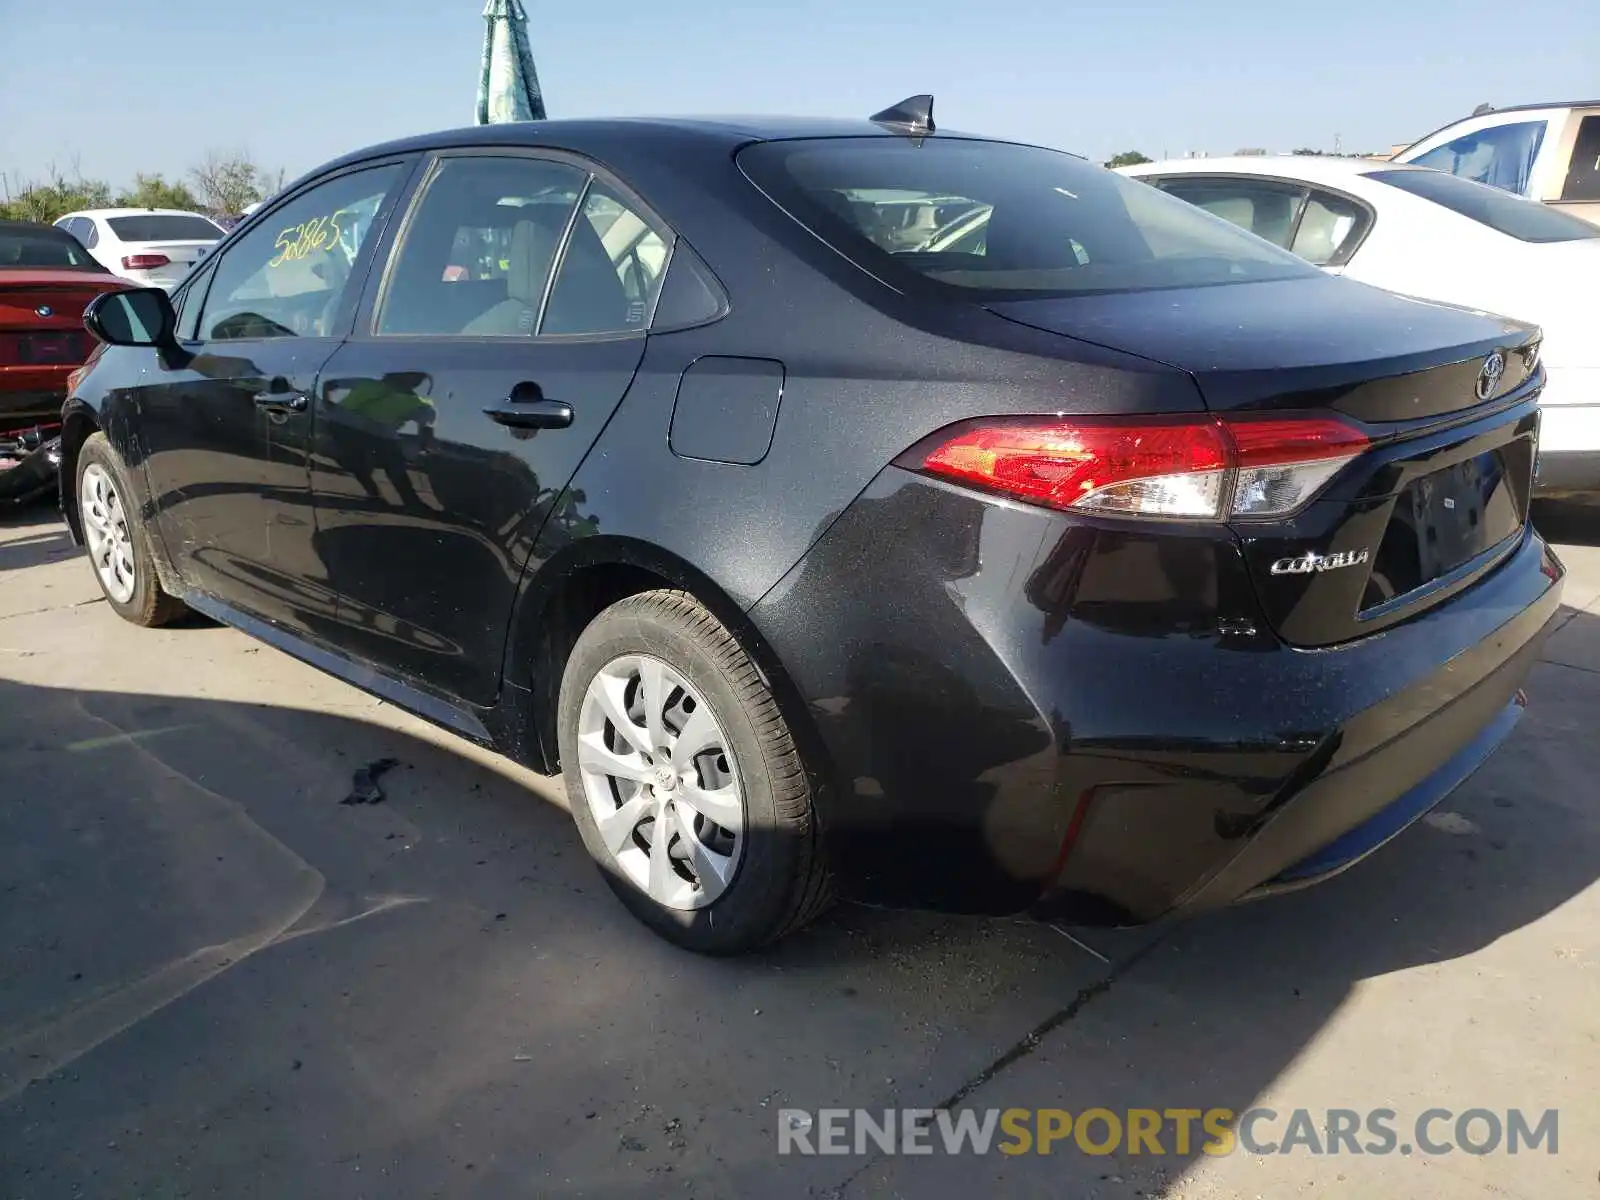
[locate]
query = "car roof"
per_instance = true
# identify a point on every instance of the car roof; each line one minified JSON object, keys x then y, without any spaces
{"x":135,"y":212}
{"x":1530,"y":108}
{"x":10,"y":226}
{"x":1553,"y":105}
{"x":596,"y":136}
{"x":1311,"y":168}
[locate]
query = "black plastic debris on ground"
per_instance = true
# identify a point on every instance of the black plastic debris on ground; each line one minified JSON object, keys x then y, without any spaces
{"x":365,"y":789}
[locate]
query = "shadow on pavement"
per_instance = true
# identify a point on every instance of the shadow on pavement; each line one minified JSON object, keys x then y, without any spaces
{"x":31,"y":536}
{"x":211,"y":971}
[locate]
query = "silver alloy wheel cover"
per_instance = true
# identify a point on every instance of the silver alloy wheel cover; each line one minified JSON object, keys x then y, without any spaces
{"x":670,"y":768}
{"x":106,"y":533}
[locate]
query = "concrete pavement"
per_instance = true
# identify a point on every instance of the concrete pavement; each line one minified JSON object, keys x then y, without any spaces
{"x":216,"y":979}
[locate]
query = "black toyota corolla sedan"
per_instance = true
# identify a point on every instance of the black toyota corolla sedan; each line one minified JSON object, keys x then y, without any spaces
{"x":842,"y":507}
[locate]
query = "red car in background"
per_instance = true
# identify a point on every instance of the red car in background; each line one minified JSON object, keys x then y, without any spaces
{"x":46,"y":280}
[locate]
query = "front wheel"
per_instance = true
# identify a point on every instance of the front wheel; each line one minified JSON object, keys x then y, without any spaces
{"x":684,"y":779}
{"x":117,"y":543}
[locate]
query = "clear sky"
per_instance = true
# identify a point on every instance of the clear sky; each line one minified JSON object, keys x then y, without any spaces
{"x":118,"y":86}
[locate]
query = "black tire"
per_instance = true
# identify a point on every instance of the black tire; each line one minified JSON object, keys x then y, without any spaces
{"x":781,"y":881}
{"x":149,"y":605}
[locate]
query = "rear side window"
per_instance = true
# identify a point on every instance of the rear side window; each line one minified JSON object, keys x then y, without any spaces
{"x":611,"y":272}
{"x":1583,"y":173}
{"x":1330,"y":228}
{"x":478,"y":251}
{"x":991,"y":220}
{"x":1500,"y":156}
{"x":1266,"y":209}
{"x":1525,"y":220}
{"x":164,"y":227}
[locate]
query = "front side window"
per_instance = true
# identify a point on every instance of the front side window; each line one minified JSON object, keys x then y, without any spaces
{"x":478,"y":251}
{"x":189,"y":304}
{"x":1525,"y":220}
{"x":1266,"y":209}
{"x":1500,"y":156}
{"x":287,"y":276}
{"x":1006,"y":221}
{"x":1583,"y":172}
{"x":164,"y":227}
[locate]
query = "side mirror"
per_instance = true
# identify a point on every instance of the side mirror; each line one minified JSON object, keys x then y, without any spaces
{"x":133,"y":317}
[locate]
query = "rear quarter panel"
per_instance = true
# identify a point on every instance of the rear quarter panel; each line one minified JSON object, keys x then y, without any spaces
{"x":867,"y":374}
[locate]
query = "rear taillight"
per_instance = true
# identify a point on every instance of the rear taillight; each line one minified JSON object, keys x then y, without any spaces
{"x":144,"y":262}
{"x":1198,"y":467}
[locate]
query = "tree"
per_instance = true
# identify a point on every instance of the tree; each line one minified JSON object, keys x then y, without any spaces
{"x":1307,"y":152}
{"x":152,"y":191}
{"x":30,"y":200}
{"x":229,"y":182}
{"x":1128,"y":158}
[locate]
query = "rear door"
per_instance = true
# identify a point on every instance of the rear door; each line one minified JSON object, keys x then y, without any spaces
{"x":506,"y":328}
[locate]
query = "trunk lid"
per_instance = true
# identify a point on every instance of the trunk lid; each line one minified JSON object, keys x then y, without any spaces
{"x":1310,"y":343}
{"x":41,"y":316}
{"x":181,"y":256}
{"x":1442,"y":492}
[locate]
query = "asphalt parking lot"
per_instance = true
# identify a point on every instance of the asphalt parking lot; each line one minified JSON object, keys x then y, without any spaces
{"x":216,"y":979}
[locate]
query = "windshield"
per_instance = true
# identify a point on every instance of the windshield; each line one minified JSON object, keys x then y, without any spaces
{"x":42,"y":247}
{"x":991,"y":220}
{"x":1525,"y":220}
{"x":164,"y":227}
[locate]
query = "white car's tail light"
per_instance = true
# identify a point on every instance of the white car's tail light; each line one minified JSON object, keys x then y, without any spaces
{"x":1199,"y":467}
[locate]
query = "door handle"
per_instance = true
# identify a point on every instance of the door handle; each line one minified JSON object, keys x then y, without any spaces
{"x":530,"y":414}
{"x":281,"y":402}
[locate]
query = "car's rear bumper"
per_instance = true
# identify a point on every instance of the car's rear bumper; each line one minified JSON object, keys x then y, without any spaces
{"x":1025,"y":710}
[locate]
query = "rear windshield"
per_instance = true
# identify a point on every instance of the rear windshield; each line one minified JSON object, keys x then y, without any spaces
{"x":993,"y":221}
{"x":42,"y":248}
{"x":164,"y":227}
{"x":1525,"y":220}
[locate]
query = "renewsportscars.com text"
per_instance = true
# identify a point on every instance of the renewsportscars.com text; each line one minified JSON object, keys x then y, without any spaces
{"x":1178,"y":1131}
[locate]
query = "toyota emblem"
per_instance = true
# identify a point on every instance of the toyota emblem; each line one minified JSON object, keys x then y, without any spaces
{"x":1489,"y":375}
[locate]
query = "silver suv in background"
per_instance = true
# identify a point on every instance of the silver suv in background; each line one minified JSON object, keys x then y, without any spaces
{"x":1546,"y":152}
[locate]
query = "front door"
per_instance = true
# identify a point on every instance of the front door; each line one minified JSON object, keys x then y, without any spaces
{"x":225,"y":428}
{"x":447,"y":433}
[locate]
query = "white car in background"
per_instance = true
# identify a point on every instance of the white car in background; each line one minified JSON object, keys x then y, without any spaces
{"x":1424,"y":233}
{"x":153,"y":247}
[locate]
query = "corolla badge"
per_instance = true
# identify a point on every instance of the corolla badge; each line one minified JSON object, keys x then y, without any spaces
{"x":1306,"y":564}
{"x":44,"y":310}
{"x":1489,"y":375}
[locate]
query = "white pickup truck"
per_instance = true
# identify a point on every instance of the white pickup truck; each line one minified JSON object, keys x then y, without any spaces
{"x":1546,"y":152}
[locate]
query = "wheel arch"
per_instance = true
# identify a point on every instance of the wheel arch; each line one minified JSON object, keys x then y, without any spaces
{"x":568,"y":590}
{"x":78,"y":423}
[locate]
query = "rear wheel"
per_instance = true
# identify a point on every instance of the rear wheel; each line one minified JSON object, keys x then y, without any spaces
{"x":684,"y":780}
{"x":117,"y":543}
